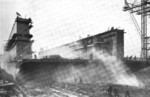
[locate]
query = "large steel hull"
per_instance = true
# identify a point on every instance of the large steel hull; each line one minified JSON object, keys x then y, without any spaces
{"x":48,"y":71}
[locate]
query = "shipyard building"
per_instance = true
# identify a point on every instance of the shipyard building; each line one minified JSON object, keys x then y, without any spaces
{"x":110,"y":42}
{"x":18,"y":46}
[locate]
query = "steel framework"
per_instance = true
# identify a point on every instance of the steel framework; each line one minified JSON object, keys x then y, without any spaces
{"x":143,"y":9}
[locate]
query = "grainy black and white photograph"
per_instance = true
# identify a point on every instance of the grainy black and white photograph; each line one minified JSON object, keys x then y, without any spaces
{"x":74,"y":48}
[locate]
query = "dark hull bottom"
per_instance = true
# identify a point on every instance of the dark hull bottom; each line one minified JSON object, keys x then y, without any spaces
{"x":47,"y":72}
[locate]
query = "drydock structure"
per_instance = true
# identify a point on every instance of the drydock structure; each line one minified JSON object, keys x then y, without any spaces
{"x":82,"y":61}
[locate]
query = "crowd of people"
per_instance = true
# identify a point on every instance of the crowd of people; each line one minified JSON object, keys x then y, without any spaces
{"x":131,"y":58}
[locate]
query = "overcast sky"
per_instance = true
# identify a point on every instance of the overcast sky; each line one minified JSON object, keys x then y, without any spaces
{"x":57,"y":22}
{"x":8,"y":10}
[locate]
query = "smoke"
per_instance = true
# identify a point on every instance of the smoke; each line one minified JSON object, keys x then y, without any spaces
{"x":104,"y":68}
{"x":118,"y":70}
{"x":9,"y":66}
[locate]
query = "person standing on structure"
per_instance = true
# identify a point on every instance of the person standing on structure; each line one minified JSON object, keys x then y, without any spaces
{"x":127,"y":94}
{"x":109,"y":91}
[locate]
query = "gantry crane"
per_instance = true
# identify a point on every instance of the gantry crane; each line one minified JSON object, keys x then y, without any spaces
{"x":143,"y":9}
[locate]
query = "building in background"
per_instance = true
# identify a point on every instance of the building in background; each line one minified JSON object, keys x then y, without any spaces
{"x":19,"y":44}
{"x":110,"y":42}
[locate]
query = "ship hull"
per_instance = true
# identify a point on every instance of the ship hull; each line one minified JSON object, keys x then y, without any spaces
{"x":45,"y":72}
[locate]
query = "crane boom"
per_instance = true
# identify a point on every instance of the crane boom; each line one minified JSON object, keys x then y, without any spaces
{"x":135,"y":23}
{"x":141,"y":9}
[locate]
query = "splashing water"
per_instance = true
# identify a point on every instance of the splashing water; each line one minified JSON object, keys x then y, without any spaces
{"x":118,"y":70}
{"x":102,"y":69}
{"x":105,"y":69}
{"x":10,"y":66}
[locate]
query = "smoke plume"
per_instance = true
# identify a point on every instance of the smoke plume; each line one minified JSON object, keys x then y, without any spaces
{"x":104,"y":68}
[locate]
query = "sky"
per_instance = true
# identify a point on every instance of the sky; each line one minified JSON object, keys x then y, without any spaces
{"x":8,"y":10}
{"x":57,"y":22}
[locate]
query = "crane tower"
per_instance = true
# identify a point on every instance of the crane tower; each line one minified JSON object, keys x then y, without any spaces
{"x":143,"y":9}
